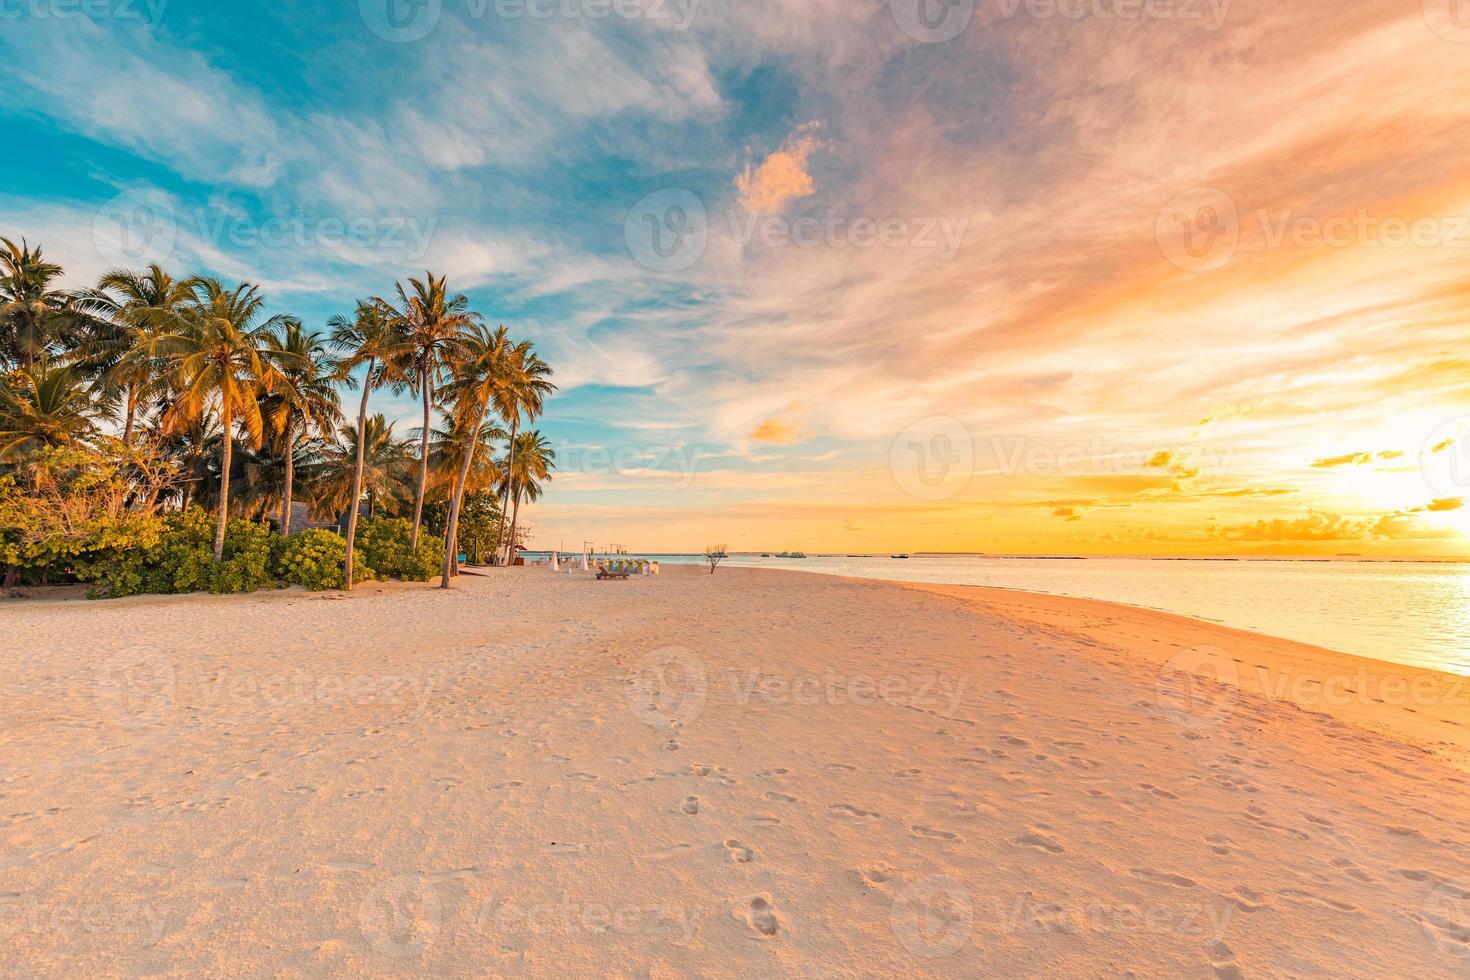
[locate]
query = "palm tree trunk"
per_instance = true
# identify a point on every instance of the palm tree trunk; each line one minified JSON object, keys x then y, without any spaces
{"x":290,"y":479}
{"x":451,"y":550}
{"x":226,"y":454}
{"x":514,"y":519}
{"x":367,"y":387}
{"x":418,"y":500}
{"x":131,"y":411}
{"x":510,"y":464}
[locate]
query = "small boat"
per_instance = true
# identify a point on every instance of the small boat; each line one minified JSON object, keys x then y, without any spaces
{"x":766,"y":555}
{"x":792,"y":554}
{"x":901,"y":557}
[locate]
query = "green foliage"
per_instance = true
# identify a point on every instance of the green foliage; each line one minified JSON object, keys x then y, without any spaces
{"x":174,"y":554}
{"x":383,"y":544}
{"x":313,"y":560}
{"x":479,"y":525}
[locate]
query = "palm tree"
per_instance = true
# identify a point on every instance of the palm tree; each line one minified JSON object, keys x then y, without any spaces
{"x":135,"y":311}
{"x":44,"y":405}
{"x":430,"y":321}
{"x":309,"y":405}
{"x":447,"y":445}
{"x":487,"y":365}
{"x":35,"y":318}
{"x":387,"y":467}
{"x":523,"y":394}
{"x":532,"y":460}
{"x":190,"y":444}
{"x":223,"y":357}
{"x":367,"y":340}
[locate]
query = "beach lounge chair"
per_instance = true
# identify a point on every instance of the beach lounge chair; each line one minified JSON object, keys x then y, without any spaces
{"x":610,"y":570}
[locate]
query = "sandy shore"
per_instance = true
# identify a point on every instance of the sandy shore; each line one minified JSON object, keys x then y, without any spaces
{"x":752,"y":774}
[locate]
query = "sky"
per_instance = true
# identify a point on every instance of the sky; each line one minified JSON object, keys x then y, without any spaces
{"x":1008,"y":276}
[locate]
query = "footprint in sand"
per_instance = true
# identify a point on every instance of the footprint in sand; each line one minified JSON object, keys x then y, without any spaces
{"x":853,"y":813}
{"x":690,"y":805}
{"x":932,"y":833}
{"x":1222,"y":960}
{"x":762,"y":916}
{"x":780,"y":798}
{"x":738,"y":852}
{"x":1042,"y":841}
{"x":772,"y":773}
{"x":763,"y":820}
{"x":1164,"y":877}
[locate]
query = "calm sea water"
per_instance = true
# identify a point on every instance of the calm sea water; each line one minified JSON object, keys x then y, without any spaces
{"x":1407,"y":612}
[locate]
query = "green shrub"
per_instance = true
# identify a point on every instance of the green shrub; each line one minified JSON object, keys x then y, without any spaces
{"x":382,"y":544}
{"x":174,"y":554}
{"x":313,"y":560}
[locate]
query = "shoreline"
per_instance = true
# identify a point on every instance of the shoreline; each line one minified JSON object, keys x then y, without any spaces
{"x":749,"y":772}
{"x":1426,"y":708}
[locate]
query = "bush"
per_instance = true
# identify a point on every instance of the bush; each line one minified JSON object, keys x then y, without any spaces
{"x":313,"y":560}
{"x":382,"y":544}
{"x":174,"y":554}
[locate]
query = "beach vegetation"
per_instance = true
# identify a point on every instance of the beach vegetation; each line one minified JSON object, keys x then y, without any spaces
{"x":162,"y":433}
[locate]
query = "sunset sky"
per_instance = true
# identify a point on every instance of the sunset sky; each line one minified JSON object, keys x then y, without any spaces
{"x":1021,"y":277}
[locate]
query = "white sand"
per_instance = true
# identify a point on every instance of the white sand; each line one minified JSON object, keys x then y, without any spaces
{"x":834,"y":778}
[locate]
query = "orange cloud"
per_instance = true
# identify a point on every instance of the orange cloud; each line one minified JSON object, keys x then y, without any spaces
{"x":1356,"y":459}
{"x":775,"y":432}
{"x":783,"y":177}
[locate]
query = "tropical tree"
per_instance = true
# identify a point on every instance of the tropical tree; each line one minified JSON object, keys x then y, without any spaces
{"x":223,"y":358}
{"x":309,"y":405}
{"x":368,"y":340}
{"x":36,"y":319}
{"x":447,"y":444}
{"x":429,"y":320}
{"x":44,"y":405}
{"x":522,"y":394}
{"x":387,"y":467}
{"x":531,"y":461}
{"x":134,"y":311}
{"x":488,"y":364}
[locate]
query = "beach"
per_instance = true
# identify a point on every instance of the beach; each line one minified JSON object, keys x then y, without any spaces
{"x":755,"y":773}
